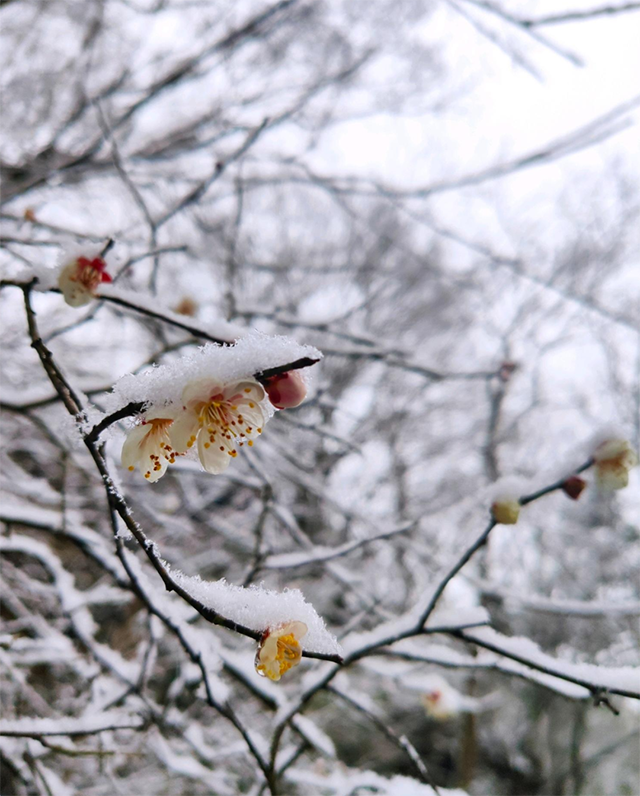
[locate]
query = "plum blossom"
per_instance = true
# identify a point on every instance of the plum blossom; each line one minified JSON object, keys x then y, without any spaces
{"x":439,"y":705}
{"x":286,"y":390}
{"x":148,"y":445}
{"x":218,"y":417}
{"x":80,"y":278}
{"x":614,"y":458}
{"x":442,"y":701}
{"x":280,"y":650}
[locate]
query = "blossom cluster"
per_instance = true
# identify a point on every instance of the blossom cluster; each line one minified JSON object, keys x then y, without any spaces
{"x":215,"y":416}
{"x":612,"y":460}
{"x":214,"y":419}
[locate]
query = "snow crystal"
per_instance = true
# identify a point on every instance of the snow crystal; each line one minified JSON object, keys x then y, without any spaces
{"x":251,"y":354}
{"x":260,"y":609}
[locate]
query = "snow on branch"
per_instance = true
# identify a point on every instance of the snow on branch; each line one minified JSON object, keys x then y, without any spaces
{"x":255,"y":355}
{"x":221,"y":332}
{"x":624,"y":681}
{"x":262,"y":609}
{"x":71,"y":726}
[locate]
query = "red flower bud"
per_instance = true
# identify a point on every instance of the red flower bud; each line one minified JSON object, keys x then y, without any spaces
{"x":573,"y":487}
{"x":286,"y":390}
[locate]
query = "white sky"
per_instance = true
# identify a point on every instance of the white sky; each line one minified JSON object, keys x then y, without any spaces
{"x":503,"y":110}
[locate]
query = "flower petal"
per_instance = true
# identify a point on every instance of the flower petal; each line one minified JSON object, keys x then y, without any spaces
{"x":297,"y":629}
{"x":199,"y":390}
{"x":612,"y":476}
{"x":132,"y":448}
{"x":74,"y":292}
{"x":253,"y":416}
{"x":246,"y":390}
{"x":214,"y":460}
{"x":183,"y":431}
{"x":268,"y":649}
{"x":155,"y":472}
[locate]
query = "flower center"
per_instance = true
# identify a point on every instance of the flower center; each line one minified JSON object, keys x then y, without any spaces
{"x":288,"y":653}
{"x":160,"y":424}
{"x":89,"y":276}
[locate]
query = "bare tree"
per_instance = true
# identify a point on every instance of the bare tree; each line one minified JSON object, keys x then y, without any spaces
{"x":480,"y":633}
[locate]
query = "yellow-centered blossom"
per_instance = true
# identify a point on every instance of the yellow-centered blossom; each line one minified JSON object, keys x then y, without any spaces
{"x":280,"y":650}
{"x":217,"y":418}
{"x":149,"y":447}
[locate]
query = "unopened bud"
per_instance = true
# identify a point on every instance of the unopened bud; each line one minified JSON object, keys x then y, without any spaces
{"x":506,"y":512}
{"x":574,"y":486}
{"x":506,"y":370}
{"x":186,"y":306}
{"x":286,"y":390}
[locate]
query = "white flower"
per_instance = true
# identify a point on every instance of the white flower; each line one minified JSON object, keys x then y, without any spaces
{"x":79,"y":279}
{"x":280,"y":650}
{"x":613,"y":459}
{"x":218,"y":418}
{"x":148,"y":445}
{"x":442,"y":701}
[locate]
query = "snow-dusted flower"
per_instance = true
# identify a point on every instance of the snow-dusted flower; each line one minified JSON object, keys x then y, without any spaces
{"x":286,"y":390}
{"x":614,"y":458}
{"x":80,"y":279}
{"x":506,"y":511}
{"x":148,"y":445}
{"x":280,"y":650}
{"x":218,"y":418}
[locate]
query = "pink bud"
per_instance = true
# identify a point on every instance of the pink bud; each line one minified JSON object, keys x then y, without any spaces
{"x":286,"y":390}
